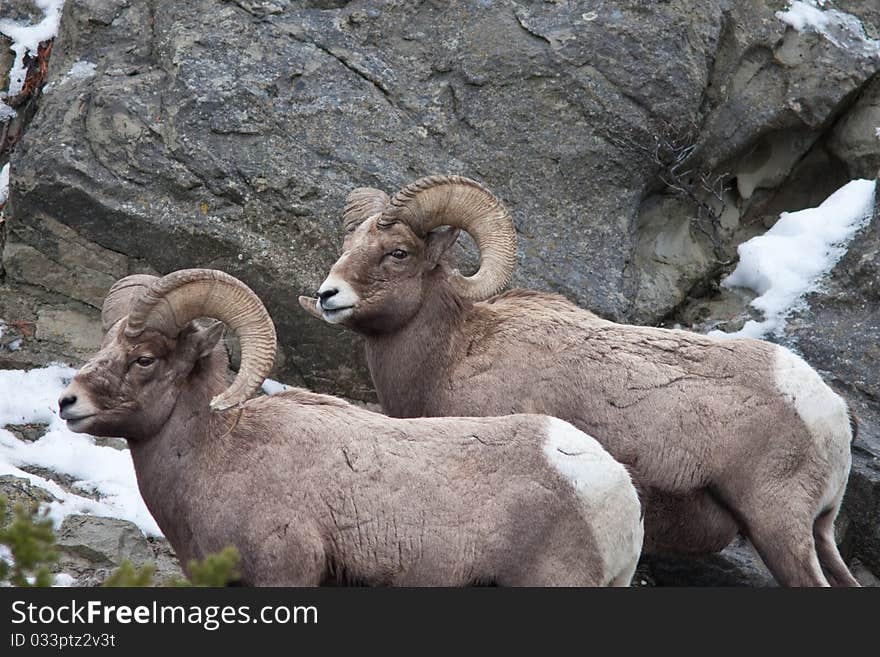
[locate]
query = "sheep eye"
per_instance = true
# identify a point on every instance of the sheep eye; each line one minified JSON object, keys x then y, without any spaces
{"x":399,"y":254}
{"x":145,"y":361}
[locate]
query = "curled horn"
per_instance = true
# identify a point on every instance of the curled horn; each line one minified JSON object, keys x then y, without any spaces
{"x":361,"y":204}
{"x":171,"y":302}
{"x":118,"y":301}
{"x":462,"y":203}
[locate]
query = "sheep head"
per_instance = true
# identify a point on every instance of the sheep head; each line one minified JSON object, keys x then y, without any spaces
{"x":153,"y":346}
{"x":393,"y":247}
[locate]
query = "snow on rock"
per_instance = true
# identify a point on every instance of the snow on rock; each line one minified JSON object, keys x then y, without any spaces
{"x":6,"y":112}
{"x":80,"y":70}
{"x":4,"y":183}
{"x":26,"y":40}
{"x":63,"y":580}
{"x":789,"y":260}
{"x":842,"y":29}
{"x":31,"y":397}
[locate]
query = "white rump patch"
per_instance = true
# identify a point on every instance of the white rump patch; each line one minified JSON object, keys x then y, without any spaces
{"x":603,"y":485}
{"x":823,"y":411}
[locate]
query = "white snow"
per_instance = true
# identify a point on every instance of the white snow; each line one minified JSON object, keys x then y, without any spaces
{"x":804,"y":16}
{"x":271,"y":387}
{"x":842,"y":29}
{"x":6,"y":112}
{"x":31,"y":397}
{"x":26,"y":40}
{"x":4,"y":183}
{"x":877,"y":132}
{"x":789,"y":260}
{"x":79,"y":71}
{"x":63,"y":580}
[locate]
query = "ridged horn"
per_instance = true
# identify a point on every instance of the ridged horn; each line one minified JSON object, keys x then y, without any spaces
{"x":118,"y":301}
{"x":171,"y":302}
{"x":462,"y":203}
{"x":361,"y":204}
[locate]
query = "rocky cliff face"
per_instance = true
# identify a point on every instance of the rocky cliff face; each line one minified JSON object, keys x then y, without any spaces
{"x":635,"y":143}
{"x":227,"y":134}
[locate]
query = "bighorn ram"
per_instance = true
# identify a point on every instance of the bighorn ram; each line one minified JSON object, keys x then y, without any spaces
{"x":723,"y":435}
{"x":310,"y":488}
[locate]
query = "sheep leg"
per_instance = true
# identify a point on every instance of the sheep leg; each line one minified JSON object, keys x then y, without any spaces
{"x":550,"y":570}
{"x":788,"y":550}
{"x":624,"y":577}
{"x":559,"y":561}
{"x":829,"y":557}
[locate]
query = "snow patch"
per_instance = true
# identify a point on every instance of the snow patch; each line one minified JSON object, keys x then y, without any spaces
{"x":842,"y":29}
{"x":271,"y":387}
{"x":79,"y":71}
{"x":26,"y":40}
{"x":31,"y":397}
{"x":789,"y":260}
{"x":6,"y":113}
{"x":4,"y":183}
{"x":63,"y":580}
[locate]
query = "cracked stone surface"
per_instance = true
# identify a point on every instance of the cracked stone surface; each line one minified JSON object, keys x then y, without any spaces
{"x":232,"y":143}
{"x":91,"y":548}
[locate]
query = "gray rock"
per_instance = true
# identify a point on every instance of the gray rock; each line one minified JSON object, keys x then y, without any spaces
{"x":115,"y":443}
{"x":80,"y":330}
{"x":42,"y":326}
{"x":736,"y":565}
{"x":17,"y":490}
{"x":66,"y":481}
{"x":27,"y":432}
{"x":22,"y":11}
{"x":855,"y":139}
{"x":191,"y":154}
{"x":243,"y":163}
{"x":91,"y":548}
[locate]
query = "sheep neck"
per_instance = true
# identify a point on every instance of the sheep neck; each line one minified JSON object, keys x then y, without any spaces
{"x":166,"y":460}
{"x":399,"y":360}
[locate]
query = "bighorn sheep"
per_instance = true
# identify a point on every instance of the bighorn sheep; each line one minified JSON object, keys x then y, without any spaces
{"x":311,"y":489}
{"x":723,"y":435}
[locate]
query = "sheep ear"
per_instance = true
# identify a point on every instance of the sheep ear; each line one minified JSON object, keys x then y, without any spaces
{"x":438,"y":242}
{"x":310,"y":305}
{"x":200,"y":340}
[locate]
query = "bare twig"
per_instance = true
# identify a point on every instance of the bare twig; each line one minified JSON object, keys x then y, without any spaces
{"x":672,"y":151}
